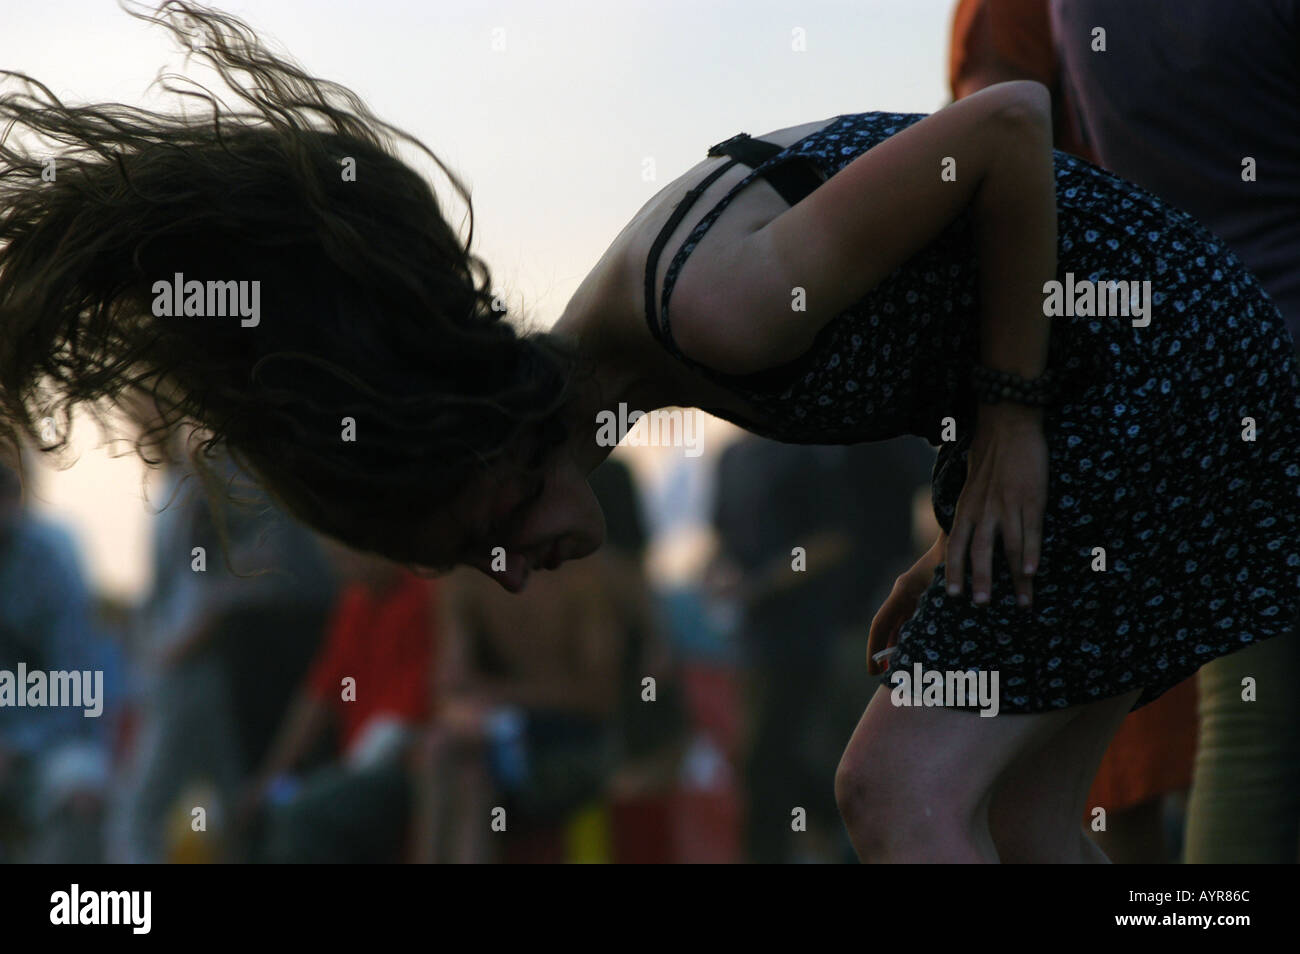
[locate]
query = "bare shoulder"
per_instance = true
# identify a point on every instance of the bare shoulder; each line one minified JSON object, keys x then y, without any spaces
{"x":736,"y":309}
{"x":628,"y":257}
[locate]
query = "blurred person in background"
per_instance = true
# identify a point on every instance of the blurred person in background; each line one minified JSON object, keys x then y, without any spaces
{"x":885,"y":525}
{"x":54,"y":761}
{"x":270,"y":646}
{"x":1149,"y":761}
{"x":257,"y":575}
{"x":706,"y":808}
{"x":882,"y":522}
{"x":796,"y":618}
{"x":651,"y":734}
{"x":527,"y":721}
{"x":371,"y":682}
{"x":770,"y":499}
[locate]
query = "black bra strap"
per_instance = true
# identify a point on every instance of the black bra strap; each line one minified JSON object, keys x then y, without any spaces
{"x":652,"y":263}
{"x":794,"y":180}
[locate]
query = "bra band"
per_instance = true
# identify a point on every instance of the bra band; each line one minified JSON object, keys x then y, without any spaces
{"x":795,"y":180}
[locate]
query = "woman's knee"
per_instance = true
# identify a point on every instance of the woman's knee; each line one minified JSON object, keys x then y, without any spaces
{"x":895,"y":810}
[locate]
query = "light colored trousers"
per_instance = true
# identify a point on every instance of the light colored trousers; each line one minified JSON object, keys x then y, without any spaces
{"x":1245,"y":799}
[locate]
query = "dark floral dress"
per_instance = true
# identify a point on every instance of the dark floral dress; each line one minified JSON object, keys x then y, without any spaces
{"x":1200,"y":527}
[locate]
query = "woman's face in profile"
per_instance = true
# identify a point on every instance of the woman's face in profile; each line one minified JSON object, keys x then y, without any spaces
{"x":511,"y":524}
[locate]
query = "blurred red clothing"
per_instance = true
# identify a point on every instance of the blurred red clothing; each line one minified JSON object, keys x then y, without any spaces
{"x":994,"y":41}
{"x":1151,"y":754}
{"x":1002,"y":35}
{"x":385,"y":643}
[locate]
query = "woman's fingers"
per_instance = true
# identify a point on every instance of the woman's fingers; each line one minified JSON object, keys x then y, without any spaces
{"x":887,"y":624}
{"x":955,"y":568}
{"x":997,"y":504}
{"x":877,"y":635}
{"x":1020,"y":528}
{"x":875,"y":638}
{"x":875,"y":667}
{"x":1012,"y":546}
{"x":884,"y":632}
{"x":981,"y":558}
{"x":1033,"y":536}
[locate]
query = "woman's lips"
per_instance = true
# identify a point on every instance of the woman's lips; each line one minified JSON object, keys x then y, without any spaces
{"x":518,"y":566}
{"x":515,"y":575}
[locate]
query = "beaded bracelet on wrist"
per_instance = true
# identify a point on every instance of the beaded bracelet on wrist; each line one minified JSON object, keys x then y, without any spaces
{"x":992,"y":387}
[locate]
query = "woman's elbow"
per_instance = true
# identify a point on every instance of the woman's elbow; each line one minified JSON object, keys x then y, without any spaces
{"x":1023,"y":103}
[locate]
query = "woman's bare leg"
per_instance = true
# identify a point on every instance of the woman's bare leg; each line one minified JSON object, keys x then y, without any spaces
{"x":915,"y":783}
{"x":1038,"y":804}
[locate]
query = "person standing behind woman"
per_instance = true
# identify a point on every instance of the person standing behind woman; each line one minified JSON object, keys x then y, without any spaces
{"x":1199,"y":102}
{"x":526,"y":718}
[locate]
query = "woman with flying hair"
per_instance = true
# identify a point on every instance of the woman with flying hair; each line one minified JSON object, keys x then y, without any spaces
{"x":1119,"y":497}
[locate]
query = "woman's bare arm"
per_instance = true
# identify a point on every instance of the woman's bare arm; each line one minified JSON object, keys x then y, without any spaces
{"x":735,"y":310}
{"x":735,"y":313}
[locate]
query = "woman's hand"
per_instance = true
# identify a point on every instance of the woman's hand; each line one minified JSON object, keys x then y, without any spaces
{"x":1004,"y":495}
{"x":901,"y":604}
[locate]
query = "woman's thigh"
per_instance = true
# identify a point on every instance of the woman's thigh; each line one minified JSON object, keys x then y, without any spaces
{"x":1037,"y":808}
{"x":931,"y":759}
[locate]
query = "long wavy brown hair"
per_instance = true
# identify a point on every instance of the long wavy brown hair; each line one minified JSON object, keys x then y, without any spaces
{"x":373,"y":308}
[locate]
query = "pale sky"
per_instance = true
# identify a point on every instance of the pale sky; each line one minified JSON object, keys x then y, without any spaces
{"x":548,"y":110}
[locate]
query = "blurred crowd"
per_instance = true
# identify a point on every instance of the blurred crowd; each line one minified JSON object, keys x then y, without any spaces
{"x":277,"y":698}
{"x":684,"y":693}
